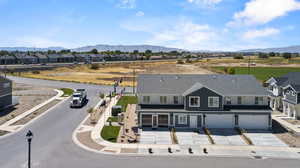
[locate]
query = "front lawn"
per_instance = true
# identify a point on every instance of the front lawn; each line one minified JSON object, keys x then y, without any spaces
{"x":110,"y":133}
{"x":125,"y":100}
{"x":262,"y":73}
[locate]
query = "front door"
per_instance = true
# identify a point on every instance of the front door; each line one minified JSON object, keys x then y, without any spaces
{"x":193,"y":121}
{"x":154,"y":121}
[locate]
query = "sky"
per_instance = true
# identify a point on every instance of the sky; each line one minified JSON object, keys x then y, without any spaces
{"x":227,"y":25}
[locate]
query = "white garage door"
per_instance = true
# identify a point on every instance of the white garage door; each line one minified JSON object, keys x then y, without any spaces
{"x":219,"y":121}
{"x":254,"y":121}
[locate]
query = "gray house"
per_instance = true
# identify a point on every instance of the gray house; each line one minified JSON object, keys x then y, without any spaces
{"x":284,"y":94}
{"x":5,"y":92}
{"x":196,"y":101}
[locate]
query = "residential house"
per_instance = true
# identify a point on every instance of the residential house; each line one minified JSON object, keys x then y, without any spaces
{"x":5,"y":92}
{"x":196,"y":101}
{"x":284,"y":94}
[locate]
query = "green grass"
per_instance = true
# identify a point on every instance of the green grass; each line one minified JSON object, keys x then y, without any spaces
{"x":262,"y":73}
{"x":125,"y":100}
{"x":110,"y":133}
{"x":112,"y":119}
{"x":67,"y":92}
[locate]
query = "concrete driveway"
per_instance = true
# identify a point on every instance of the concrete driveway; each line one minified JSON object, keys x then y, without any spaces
{"x":160,"y":136}
{"x":192,"y":138}
{"x":264,"y":138}
{"x":226,"y":137}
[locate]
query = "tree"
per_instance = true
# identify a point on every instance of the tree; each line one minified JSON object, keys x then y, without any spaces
{"x":94,"y":51}
{"x":287,"y":55}
{"x":136,"y":52}
{"x":148,"y":52}
{"x":148,"y":56}
{"x":231,"y":71}
{"x":263,"y":55}
{"x":238,"y":56}
{"x":272,"y":54}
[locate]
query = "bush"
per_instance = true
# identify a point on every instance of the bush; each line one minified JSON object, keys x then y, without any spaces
{"x":95,"y":66}
{"x":180,"y":61}
{"x":238,"y":57}
{"x":231,"y":71}
{"x":287,"y":55}
{"x":102,"y":95}
{"x":188,"y":60}
{"x":263,"y":55}
{"x":36,"y":72}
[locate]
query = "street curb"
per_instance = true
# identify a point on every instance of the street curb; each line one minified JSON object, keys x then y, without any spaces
{"x":38,"y":117}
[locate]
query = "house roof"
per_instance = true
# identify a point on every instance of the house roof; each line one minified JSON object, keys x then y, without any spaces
{"x":290,"y":78}
{"x":180,"y":83}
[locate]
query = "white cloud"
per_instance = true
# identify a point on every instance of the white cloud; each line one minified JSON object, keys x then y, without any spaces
{"x":252,"y":34}
{"x":140,"y":13}
{"x":184,"y":34}
{"x":208,"y":3}
{"x":263,"y":11}
{"x":126,"y":4}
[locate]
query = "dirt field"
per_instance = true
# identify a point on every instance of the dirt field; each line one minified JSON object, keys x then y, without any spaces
{"x":29,"y":96}
{"x":108,"y":73}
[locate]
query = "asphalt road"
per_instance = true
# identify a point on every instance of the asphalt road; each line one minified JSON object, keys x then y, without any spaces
{"x":52,"y":145}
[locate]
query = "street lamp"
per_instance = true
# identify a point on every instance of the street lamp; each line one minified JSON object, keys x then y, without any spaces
{"x":29,"y":137}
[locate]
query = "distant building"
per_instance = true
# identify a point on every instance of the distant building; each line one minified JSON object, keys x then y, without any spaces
{"x":5,"y":92}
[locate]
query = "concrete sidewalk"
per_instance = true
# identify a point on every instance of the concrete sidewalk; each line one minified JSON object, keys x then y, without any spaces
{"x":280,"y":119}
{"x":89,"y":138}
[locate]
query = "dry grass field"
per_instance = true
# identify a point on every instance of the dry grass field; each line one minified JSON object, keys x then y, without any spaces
{"x":106,"y":74}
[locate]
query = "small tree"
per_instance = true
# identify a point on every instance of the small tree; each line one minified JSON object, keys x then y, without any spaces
{"x":95,"y":66}
{"x":231,"y":71}
{"x":272,"y":54}
{"x":263,"y":55}
{"x":287,"y":55}
{"x":238,"y":56}
{"x":94,"y":51}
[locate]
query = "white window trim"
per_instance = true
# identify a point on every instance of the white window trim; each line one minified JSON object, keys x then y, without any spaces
{"x":184,"y":122}
{"x":190,"y":97}
{"x":213,"y":97}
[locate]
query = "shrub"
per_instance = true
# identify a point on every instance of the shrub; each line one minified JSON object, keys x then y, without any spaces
{"x":95,"y":66}
{"x":287,"y":55}
{"x":90,"y":110}
{"x":231,"y":71}
{"x":238,"y":57}
{"x":180,"y":61}
{"x":36,"y":72}
{"x":263,"y":55}
{"x":102,"y":95}
{"x":188,"y":60}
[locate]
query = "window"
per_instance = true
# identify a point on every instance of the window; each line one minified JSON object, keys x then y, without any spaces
{"x":213,"y":102}
{"x":194,"y":101}
{"x":176,"y":100}
{"x":182,"y":119}
{"x":236,"y":120}
{"x":294,"y":93}
{"x":228,"y":100}
{"x":163,"y":99}
{"x":239,"y":100}
{"x":259,"y":100}
{"x":146,"y":99}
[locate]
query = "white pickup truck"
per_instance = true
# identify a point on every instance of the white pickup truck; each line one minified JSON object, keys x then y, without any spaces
{"x":79,"y":98}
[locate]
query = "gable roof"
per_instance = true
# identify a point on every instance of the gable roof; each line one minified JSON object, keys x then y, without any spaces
{"x":289,"y":78}
{"x":180,"y":83}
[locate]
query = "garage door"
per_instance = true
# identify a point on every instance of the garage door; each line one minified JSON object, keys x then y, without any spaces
{"x":254,"y":121}
{"x":163,"y":120}
{"x":219,"y":121}
{"x":147,"y":120}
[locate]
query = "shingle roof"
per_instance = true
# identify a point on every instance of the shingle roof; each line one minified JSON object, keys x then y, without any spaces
{"x":296,"y":87}
{"x":179,"y":83}
{"x":289,"y":78}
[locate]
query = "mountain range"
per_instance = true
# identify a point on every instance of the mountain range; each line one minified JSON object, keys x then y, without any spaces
{"x":143,"y":48}
{"x":290,"y":49}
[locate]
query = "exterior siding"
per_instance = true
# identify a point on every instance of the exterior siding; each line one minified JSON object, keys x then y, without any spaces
{"x":5,"y":92}
{"x":155,"y":99}
{"x":203,"y":93}
{"x":247,"y":100}
{"x":289,"y":96}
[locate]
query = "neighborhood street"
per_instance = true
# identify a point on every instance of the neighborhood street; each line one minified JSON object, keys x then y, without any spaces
{"x":52,"y":145}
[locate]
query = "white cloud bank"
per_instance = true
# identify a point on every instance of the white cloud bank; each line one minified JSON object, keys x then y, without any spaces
{"x":253,"y":34}
{"x":140,"y":13}
{"x":263,"y":11}
{"x":205,"y":2}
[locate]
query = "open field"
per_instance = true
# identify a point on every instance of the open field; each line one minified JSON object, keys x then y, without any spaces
{"x":107,"y":74}
{"x":261,"y":73}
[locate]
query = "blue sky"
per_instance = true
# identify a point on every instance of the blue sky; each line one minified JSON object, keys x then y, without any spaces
{"x":187,"y":24}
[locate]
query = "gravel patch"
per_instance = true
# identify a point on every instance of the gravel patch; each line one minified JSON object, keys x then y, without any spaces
{"x":29,"y":96}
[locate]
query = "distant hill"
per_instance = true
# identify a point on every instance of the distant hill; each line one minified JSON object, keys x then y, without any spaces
{"x":30,"y":48}
{"x":126,"y":48}
{"x":291,"y":49}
